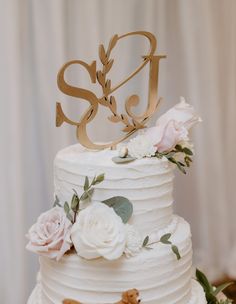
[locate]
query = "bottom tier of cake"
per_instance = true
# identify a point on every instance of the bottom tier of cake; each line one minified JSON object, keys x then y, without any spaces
{"x":197,"y":295}
{"x":156,"y":273}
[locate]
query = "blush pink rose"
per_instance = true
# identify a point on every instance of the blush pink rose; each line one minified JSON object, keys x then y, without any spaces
{"x":173,"y":126}
{"x":50,"y":235}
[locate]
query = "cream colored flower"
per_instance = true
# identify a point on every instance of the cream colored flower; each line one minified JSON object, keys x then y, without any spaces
{"x":141,"y":146}
{"x":133,"y":241}
{"x":99,"y":232}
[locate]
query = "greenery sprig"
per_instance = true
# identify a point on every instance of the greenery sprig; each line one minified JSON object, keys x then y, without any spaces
{"x":187,"y":158}
{"x":211,"y":292}
{"x":73,"y":209}
{"x":171,"y":157}
{"x":165,"y":239}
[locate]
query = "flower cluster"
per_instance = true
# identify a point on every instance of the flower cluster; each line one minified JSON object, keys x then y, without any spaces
{"x":169,"y":137}
{"x":100,"y":230}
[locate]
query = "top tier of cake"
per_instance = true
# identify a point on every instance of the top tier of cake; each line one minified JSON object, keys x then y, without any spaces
{"x":147,"y":183}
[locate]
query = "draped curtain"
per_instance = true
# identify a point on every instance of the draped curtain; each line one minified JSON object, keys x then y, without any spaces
{"x":37,"y":37}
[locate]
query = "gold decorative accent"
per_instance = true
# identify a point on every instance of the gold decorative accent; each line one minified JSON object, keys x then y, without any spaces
{"x":130,"y":296}
{"x":130,"y":121}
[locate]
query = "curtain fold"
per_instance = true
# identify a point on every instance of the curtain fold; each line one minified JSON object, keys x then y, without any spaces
{"x":38,"y":37}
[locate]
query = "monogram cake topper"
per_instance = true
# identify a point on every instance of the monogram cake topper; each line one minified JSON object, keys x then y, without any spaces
{"x":131,"y":122}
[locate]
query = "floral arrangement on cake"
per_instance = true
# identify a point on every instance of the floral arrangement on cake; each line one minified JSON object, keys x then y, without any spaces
{"x":168,"y":138}
{"x":99,"y":230}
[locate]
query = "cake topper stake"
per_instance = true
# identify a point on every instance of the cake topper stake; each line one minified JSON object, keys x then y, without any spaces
{"x":131,"y":122}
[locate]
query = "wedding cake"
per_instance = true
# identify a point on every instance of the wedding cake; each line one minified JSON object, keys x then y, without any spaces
{"x":111,"y":235}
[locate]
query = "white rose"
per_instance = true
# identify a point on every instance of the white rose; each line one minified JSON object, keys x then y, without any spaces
{"x":98,"y":232}
{"x":50,"y":235}
{"x":133,"y":241}
{"x":140,"y":146}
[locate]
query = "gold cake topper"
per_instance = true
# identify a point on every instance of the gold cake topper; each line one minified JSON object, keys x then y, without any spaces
{"x":130,"y":121}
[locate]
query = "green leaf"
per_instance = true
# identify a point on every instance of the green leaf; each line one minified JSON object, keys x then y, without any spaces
{"x":165,"y":238}
{"x":179,"y":166}
{"x":69,"y":216}
{"x":87,"y":194}
{"x":93,"y":181}
{"x":66,"y":208}
{"x":179,"y":148}
{"x":86,"y":183}
{"x":176,"y":251}
{"x":145,"y":241}
{"x":57,"y":202}
{"x":221,"y":288}
{"x":74,"y":202}
{"x":122,"y":206}
{"x":90,"y":192}
{"x":187,"y":151}
{"x":99,"y":178}
{"x":202,"y":279}
{"x":170,"y":154}
{"x":123,"y":160}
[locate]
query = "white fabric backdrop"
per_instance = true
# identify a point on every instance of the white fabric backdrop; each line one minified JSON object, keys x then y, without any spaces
{"x":37,"y":37}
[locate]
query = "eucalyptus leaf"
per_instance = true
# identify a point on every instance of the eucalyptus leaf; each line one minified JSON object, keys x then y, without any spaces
{"x":93,"y":181}
{"x":57,"y":202}
{"x":122,"y":206}
{"x":74,"y":202}
{"x":179,"y":148}
{"x":90,"y":192}
{"x":145,"y":241}
{"x":84,"y":196}
{"x":176,"y":251}
{"x":123,"y":160}
{"x":165,"y":238}
{"x":86,"y":183}
{"x":99,"y":178}
{"x":180,"y":168}
{"x":69,"y":216}
{"x":170,"y":154}
{"x":187,"y":151}
{"x":66,"y":208}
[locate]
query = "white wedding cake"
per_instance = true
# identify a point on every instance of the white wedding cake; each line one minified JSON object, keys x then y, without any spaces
{"x":111,"y":235}
{"x":117,"y":230}
{"x":155,"y":271}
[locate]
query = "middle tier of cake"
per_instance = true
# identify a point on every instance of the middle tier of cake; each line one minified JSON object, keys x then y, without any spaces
{"x":147,"y":183}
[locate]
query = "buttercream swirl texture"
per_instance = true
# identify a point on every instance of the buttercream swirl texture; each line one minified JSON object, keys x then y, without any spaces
{"x":156,"y":273}
{"x":147,"y":183}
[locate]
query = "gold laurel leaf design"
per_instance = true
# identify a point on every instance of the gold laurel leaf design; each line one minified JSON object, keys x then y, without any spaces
{"x":114,"y":118}
{"x":112,"y":44}
{"x":108,"y":66}
{"x":102,"y":54}
{"x":113,"y":105}
{"x":106,"y":86}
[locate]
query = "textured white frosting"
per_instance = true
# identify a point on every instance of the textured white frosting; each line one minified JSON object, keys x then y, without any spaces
{"x":156,"y":273}
{"x":197,"y":295}
{"x":146,"y":182}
